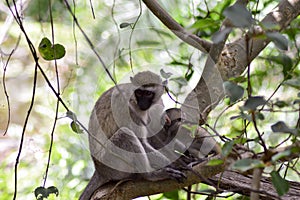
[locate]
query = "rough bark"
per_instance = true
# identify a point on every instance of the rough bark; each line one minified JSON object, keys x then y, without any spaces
{"x":217,"y":176}
{"x":239,"y":183}
{"x":132,"y":189}
{"x":232,"y":61}
{"x":229,"y":181}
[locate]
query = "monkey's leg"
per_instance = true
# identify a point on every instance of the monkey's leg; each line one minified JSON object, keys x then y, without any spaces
{"x":113,"y":164}
{"x":140,"y":161}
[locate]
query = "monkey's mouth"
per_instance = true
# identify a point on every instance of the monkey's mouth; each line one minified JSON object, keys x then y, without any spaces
{"x":144,"y":105}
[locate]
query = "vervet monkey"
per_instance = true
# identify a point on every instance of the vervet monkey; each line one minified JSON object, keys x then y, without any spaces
{"x":119,"y":126}
{"x":193,"y":143}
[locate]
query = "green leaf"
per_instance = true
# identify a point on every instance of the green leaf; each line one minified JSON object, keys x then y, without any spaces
{"x":286,"y":62}
{"x":281,"y":127}
{"x":253,"y":102}
{"x":205,"y":23}
{"x":53,"y":190}
{"x":233,"y":91}
{"x":259,"y":116}
{"x":279,"y":40}
{"x":191,"y":128}
{"x":214,"y":162}
{"x":125,"y":24}
{"x":220,"y":36}
{"x":227,"y":148}
{"x":227,"y":101}
{"x":75,"y":127}
{"x":240,"y":140}
{"x":239,"y":79}
{"x":281,"y":104}
{"x":41,"y":193}
{"x":147,"y":43}
{"x":164,"y":33}
{"x":281,"y":185}
{"x":164,"y":74}
{"x":172,"y":195}
{"x":49,"y":51}
{"x":180,"y":80}
{"x":242,"y":116}
{"x":281,"y":155}
{"x":295,"y":83}
{"x":239,"y":15}
{"x":71,"y":115}
{"x":297,"y":101}
{"x":295,"y":150}
{"x":247,"y":164}
{"x":189,"y":73}
{"x":174,"y":62}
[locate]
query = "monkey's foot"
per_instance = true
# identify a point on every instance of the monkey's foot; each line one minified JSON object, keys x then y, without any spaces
{"x":196,"y":162}
{"x":176,"y":174}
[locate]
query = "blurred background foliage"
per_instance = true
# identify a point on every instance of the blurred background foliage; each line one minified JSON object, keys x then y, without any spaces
{"x":82,"y":79}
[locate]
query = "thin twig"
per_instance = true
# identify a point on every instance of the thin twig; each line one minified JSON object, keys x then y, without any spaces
{"x":176,"y":28}
{"x":23,"y":131}
{"x":5,"y":91}
{"x":116,"y":52}
{"x":89,"y":42}
{"x":57,"y":102}
{"x":34,"y":54}
{"x":92,"y":9}
{"x":131,"y":34}
{"x":74,"y":34}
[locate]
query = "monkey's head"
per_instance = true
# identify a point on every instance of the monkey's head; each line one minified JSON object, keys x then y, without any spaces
{"x":149,"y":90}
{"x":173,"y":119}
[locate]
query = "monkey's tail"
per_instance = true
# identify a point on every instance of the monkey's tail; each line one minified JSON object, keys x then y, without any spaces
{"x":91,"y":187}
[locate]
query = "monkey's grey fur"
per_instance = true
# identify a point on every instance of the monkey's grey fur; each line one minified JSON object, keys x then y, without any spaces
{"x":119,"y":128}
{"x":194,"y":144}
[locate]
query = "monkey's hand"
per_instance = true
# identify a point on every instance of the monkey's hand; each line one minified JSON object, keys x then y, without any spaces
{"x":168,"y":172}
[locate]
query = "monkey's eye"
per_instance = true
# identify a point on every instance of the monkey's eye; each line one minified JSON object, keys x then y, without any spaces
{"x":177,"y":120}
{"x":145,"y":93}
{"x":148,"y":93}
{"x":138,"y":92}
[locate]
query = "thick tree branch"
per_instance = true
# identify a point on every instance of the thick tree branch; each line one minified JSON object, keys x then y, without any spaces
{"x":232,"y":62}
{"x":239,"y":183}
{"x":234,"y":59}
{"x":176,"y":28}
{"x":211,"y":175}
{"x":132,"y":189}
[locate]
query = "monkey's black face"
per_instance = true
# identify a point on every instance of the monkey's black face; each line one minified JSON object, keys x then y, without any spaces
{"x":144,"y":98}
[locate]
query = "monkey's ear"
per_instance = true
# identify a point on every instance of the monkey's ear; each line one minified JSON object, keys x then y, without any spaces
{"x":165,"y":120}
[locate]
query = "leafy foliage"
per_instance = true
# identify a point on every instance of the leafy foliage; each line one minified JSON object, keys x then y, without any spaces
{"x":262,"y":111}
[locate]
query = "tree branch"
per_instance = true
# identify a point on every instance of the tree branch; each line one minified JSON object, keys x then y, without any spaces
{"x":211,"y":175}
{"x":232,"y":62}
{"x":132,"y":189}
{"x":239,"y":183}
{"x":234,"y":59}
{"x":176,"y":28}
